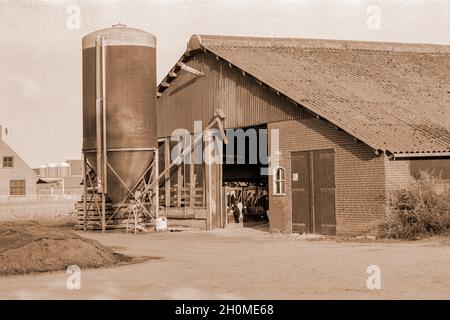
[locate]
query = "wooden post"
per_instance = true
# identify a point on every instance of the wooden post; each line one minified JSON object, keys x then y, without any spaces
{"x":192,"y":176}
{"x":209,"y":177}
{"x":155,"y":176}
{"x":167,"y":174}
{"x":179,"y":178}
{"x":224,"y":205}
{"x":221,"y":196}
{"x":208,"y":185}
{"x":215,"y":194}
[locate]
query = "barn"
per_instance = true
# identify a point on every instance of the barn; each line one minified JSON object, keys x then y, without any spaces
{"x":344,"y":124}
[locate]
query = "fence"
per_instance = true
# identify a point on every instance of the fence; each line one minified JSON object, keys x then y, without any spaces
{"x":37,"y":207}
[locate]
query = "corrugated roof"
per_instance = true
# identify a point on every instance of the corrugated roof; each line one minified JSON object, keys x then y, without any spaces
{"x":394,"y":97}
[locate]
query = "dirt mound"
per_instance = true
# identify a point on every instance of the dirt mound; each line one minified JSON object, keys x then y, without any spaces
{"x":31,"y":247}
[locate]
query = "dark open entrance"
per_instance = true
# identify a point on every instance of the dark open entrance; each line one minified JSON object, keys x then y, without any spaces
{"x":245,"y":181}
{"x":313,"y":192}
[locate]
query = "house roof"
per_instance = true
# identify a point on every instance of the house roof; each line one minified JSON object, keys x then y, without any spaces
{"x":394,"y":97}
{"x":21,"y":168}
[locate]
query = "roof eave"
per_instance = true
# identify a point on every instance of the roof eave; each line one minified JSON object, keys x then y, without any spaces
{"x":432,"y":154}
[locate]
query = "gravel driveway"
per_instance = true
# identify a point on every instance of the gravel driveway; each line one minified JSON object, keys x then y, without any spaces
{"x":250,"y":264}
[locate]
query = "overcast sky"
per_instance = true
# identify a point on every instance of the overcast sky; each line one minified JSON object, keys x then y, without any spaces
{"x":40,"y":48}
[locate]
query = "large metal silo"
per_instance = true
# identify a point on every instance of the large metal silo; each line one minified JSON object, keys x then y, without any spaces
{"x":64,"y":169}
{"x":43,"y":171}
{"x":119,"y":106}
{"x":53,"y":170}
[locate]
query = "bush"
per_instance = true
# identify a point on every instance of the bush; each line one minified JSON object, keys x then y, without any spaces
{"x":418,"y":210}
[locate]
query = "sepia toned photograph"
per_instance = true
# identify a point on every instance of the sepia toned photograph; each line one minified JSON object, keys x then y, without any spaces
{"x":213,"y":152}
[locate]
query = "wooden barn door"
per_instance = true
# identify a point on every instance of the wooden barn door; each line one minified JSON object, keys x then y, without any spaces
{"x":313,"y":192}
{"x":323,"y":191}
{"x":301,"y":192}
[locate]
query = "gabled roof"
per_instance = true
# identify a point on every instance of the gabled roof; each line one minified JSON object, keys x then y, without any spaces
{"x":394,"y":97}
{"x":19,"y":163}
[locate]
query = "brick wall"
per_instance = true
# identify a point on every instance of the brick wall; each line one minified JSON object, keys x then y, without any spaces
{"x":359,"y":175}
{"x":397,"y":176}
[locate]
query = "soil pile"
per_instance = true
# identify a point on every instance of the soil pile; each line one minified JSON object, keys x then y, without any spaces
{"x":30,"y":247}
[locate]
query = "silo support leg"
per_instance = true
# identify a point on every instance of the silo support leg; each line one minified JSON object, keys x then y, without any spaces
{"x":155,"y":177}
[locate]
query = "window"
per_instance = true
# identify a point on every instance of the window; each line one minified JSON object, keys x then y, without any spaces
{"x":17,"y":187}
{"x":8,"y":162}
{"x":279,"y":181}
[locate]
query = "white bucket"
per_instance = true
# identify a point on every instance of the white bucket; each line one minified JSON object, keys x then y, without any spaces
{"x":161,"y":224}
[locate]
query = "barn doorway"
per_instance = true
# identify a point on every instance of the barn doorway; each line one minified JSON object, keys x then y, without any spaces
{"x":313,"y":192}
{"x":244,"y":182}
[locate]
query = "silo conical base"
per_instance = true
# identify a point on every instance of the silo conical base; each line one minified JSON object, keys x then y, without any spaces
{"x":129,"y":167}
{"x":125,"y":169}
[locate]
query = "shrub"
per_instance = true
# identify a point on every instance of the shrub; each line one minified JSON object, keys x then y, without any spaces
{"x":417,"y":211}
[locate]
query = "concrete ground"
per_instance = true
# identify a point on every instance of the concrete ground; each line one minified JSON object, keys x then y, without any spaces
{"x":250,"y":264}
